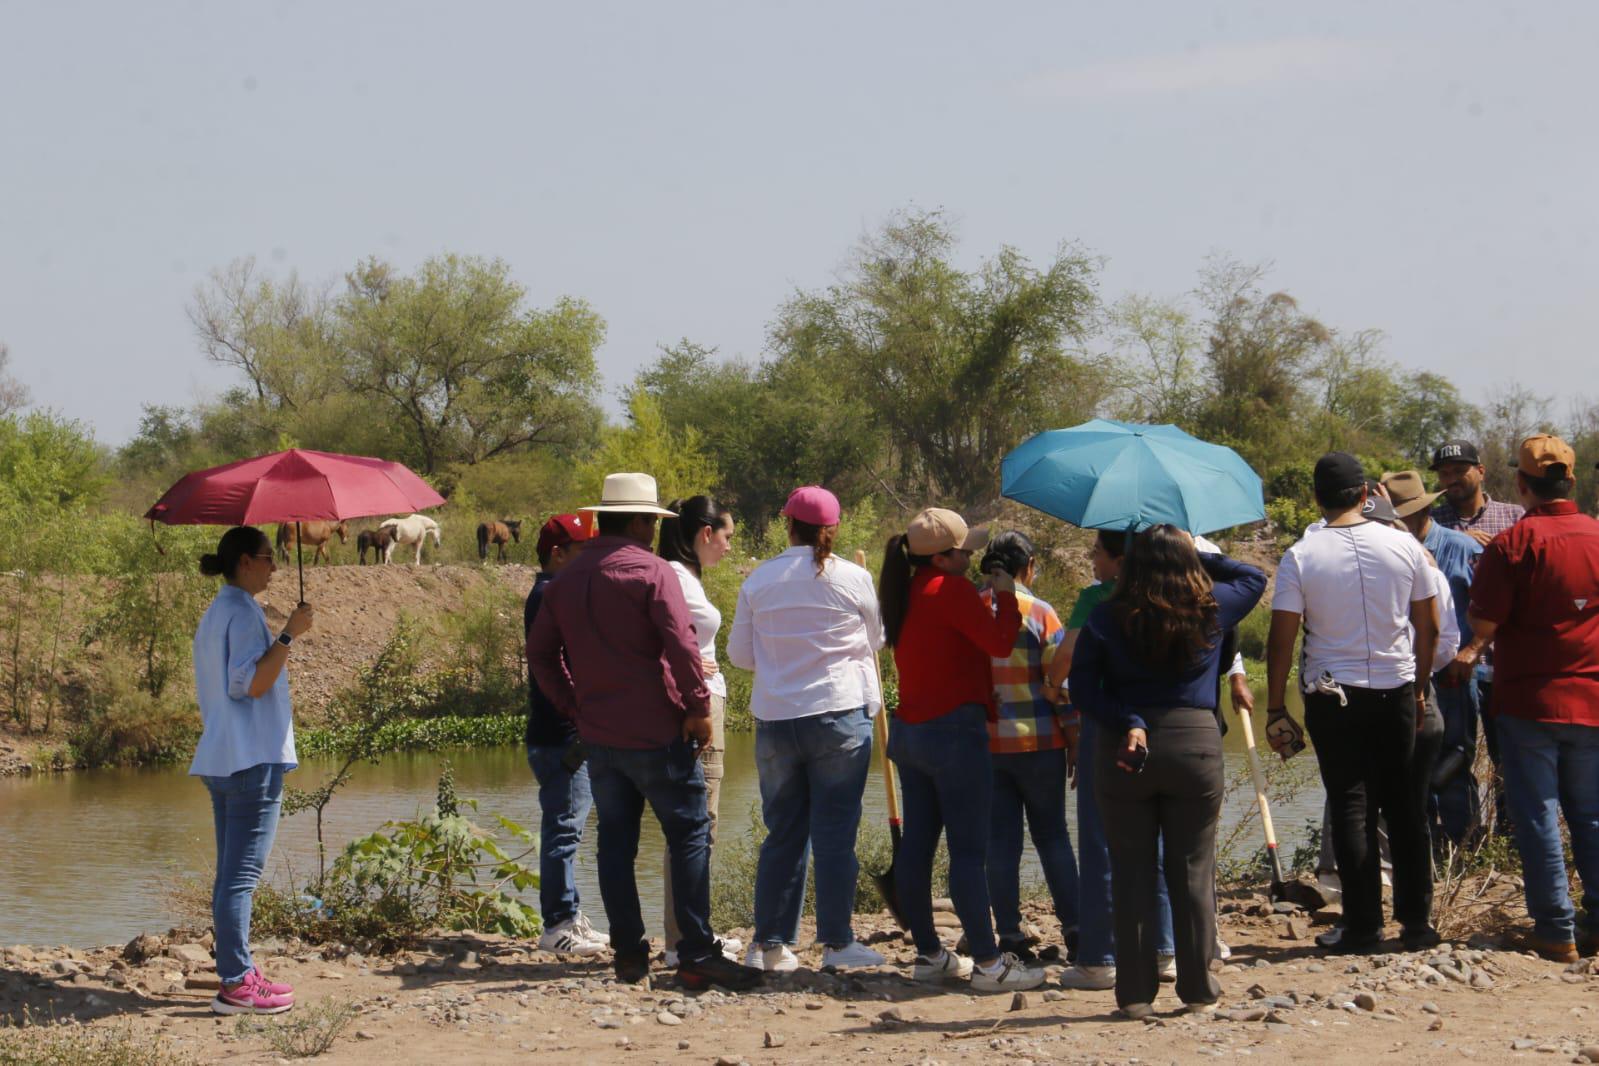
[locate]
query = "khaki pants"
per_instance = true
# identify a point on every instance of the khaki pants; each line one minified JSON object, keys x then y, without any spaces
{"x":711,"y":758}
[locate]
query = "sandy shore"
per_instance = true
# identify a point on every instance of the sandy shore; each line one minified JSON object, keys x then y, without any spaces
{"x":492,"y":1000}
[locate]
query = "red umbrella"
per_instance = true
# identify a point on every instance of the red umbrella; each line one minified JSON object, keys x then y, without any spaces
{"x":293,"y":486}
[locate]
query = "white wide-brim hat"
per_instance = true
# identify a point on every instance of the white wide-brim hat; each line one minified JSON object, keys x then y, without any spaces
{"x":631,"y":494}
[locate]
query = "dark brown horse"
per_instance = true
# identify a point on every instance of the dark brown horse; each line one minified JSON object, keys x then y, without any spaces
{"x":498,"y":533}
{"x":378,"y":540}
{"x":317,"y":534}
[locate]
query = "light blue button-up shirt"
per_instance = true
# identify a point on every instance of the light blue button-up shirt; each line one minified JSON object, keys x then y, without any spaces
{"x":239,"y":731}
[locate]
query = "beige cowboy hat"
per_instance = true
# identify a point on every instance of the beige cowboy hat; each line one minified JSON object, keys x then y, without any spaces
{"x":630,"y":493}
{"x":1408,"y":492}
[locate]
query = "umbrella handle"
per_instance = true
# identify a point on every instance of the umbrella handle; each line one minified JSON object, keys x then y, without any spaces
{"x":299,"y":559}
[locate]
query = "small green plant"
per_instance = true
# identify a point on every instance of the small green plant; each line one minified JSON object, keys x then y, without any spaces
{"x":304,"y":1032}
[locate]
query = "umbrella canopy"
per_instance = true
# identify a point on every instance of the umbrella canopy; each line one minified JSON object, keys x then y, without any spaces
{"x":293,"y":486}
{"x":1121,"y":475}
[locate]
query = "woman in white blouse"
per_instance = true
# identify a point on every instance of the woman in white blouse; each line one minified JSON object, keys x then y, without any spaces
{"x":696,"y":540}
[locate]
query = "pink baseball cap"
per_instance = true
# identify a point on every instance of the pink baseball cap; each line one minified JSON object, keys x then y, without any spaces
{"x":814,"y":505}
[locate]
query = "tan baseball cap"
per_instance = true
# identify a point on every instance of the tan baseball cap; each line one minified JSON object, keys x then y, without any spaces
{"x":1407,"y":491}
{"x":937,"y":530}
{"x":1541,"y":453}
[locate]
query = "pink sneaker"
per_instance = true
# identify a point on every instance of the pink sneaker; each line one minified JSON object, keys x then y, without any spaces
{"x":271,"y":988}
{"x":249,"y":996}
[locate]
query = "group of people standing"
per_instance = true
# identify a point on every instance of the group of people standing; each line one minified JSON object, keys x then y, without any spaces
{"x":1002,"y":708}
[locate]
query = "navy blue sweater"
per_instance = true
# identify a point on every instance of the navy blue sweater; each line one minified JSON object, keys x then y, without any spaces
{"x":1111,"y":680}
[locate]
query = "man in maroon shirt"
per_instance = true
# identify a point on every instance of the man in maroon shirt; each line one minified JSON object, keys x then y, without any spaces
{"x":1536,"y":598}
{"x":631,"y":679}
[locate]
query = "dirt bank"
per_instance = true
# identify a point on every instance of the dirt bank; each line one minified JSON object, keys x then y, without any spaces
{"x":489,"y":1000}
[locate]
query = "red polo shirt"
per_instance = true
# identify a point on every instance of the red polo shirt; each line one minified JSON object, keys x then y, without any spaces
{"x":1539,"y":580}
{"x":947,"y":643}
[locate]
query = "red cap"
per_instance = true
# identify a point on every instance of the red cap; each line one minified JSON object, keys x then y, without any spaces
{"x":561,"y":530}
{"x":814,"y":505}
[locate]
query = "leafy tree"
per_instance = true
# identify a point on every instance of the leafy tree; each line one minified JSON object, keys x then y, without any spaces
{"x":47,"y":461}
{"x":955,"y":367}
{"x":676,"y":459}
{"x":1428,"y":411}
{"x":451,"y":355}
{"x":13,"y":393}
{"x":1157,"y":344}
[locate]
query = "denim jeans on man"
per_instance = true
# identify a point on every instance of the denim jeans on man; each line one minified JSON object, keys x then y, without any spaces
{"x":947,"y":787}
{"x":1096,"y":943}
{"x":1457,"y":804}
{"x":1553,"y":768}
{"x":564,"y":802}
{"x":1030,"y":784}
{"x":813,"y":773}
{"x":244,"y":808}
{"x":672,"y":782}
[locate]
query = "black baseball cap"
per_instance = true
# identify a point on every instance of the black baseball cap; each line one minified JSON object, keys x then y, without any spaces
{"x":1377,"y":508}
{"x":1337,"y":471}
{"x":1455,"y":451}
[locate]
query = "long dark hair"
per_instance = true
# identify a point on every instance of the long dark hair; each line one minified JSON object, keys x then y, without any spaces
{"x":679,"y":534}
{"x":894,"y":584}
{"x":1163,"y":600}
{"x":1011,"y":550}
{"x":818,"y":538}
{"x":235,"y":544}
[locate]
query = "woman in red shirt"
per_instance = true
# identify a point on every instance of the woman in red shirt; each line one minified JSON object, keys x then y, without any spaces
{"x":943,"y":637}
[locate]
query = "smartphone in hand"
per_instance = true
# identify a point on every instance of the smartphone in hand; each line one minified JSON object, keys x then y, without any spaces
{"x":1132,"y":761}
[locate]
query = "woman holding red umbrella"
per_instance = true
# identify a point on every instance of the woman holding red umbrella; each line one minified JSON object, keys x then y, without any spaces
{"x":246,"y":746}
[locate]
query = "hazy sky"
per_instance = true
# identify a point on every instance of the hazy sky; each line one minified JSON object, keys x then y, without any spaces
{"x":1417,"y":167}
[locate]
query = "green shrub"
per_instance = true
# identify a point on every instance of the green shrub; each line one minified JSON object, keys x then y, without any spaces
{"x":122,"y":723}
{"x":487,"y":655}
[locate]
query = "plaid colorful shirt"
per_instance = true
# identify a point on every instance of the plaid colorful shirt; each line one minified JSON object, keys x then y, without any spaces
{"x":1494,"y":518}
{"x":1025,"y":720}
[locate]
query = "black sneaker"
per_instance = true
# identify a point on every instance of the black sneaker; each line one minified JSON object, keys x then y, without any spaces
{"x":718,"y":969}
{"x":632,"y":966}
{"x":1022,"y":948}
{"x":1071,"y":946}
{"x":1341,"y":941}
{"x":1420,"y":939}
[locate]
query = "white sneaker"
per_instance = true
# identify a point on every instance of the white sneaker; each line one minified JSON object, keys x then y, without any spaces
{"x":1168,"y":969}
{"x":568,"y":939}
{"x":731,"y":946}
{"x":1136,"y":1011}
{"x":1009,"y":974}
{"x":1089,"y":978}
{"x":1200,"y":1008}
{"x":945,"y":966}
{"x":581,"y":920}
{"x":1223,"y":952}
{"x":775,"y":959}
{"x":851,"y":956}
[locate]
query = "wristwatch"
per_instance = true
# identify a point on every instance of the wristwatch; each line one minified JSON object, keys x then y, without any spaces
{"x":284,"y":638}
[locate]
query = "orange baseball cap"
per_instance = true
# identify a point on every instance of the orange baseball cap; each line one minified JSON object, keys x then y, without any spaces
{"x":1543,"y":455}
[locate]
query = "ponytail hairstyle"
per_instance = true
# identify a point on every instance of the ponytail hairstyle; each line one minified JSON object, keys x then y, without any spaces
{"x":1012,"y":550}
{"x":678,"y":534}
{"x":235,"y":544}
{"x":818,"y":538}
{"x":894,"y":584}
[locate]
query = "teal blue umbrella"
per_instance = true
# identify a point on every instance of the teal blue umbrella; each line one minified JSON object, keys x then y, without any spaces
{"x":1122,"y":475}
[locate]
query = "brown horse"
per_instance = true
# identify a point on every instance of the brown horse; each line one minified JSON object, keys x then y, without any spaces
{"x":317,"y":534}
{"x":377,"y":540}
{"x":501,"y":533}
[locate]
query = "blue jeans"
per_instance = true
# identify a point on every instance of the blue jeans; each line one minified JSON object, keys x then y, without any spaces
{"x":1096,"y":943}
{"x":244,"y":808}
{"x":1033,"y":784}
{"x":813,"y":773}
{"x":1553,"y":768}
{"x":672,"y":782}
{"x":564,"y":802}
{"x":1457,"y":804}
{"x":947,"y":787}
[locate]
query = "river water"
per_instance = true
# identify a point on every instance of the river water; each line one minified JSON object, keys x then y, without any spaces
{"x":85,"y":858}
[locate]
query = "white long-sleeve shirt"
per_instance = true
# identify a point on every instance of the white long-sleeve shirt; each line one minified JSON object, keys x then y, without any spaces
{"x":707,"y":620}
{"x":809,"y":637}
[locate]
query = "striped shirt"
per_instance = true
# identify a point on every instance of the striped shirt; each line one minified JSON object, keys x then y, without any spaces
{"x":1025,"y":720}
{"x":1495,"y":517}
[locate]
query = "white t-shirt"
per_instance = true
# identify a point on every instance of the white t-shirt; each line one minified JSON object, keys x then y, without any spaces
{"x":1353,"y":587}
{"x":1448,"y":626}
{"x":707,"y":620}
{"x":810,"y":638}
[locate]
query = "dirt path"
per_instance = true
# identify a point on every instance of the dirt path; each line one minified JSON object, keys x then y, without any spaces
{"x":488,"y":1000}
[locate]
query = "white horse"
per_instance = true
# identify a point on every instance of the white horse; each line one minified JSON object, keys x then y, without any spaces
{"x":413,"y":530}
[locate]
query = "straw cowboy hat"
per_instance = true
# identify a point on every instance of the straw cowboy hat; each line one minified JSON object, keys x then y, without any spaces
{"x":631,"y":494}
